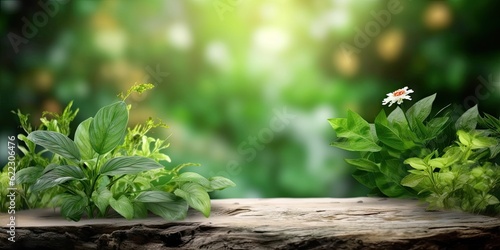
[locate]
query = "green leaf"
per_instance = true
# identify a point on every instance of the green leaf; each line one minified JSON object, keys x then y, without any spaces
{"x":365,"y":178}
{"x":82,"y":140}
{"x":155,"y":196}
{"x":436,"y":126}
{"x":73,"y":172}
{"x":28,"y":175}
{"x":49,"y":168}
{"x":468,"y":120}
{"x":364,"y":164}
{"x":140,"y":210}
{"x":107,"y":129}
{"x":123,"y":206}
{"x":354,"y":133}
{"x":73,"y":206}
{"x":416,"y":163}
{"x":491,"y":122}
{"x":219,"y":183}
{"x":196,"y":196}
{"x":173,"y":210}
{"x":464,"y":138}
{"x":412,"y":180}
{"x":397,"y":116}
{"x":56,"y":176}
{"x":491,"y":200}
{"x":420,"y":110}
{"x":101,"y":199}
{"x":439,"y":162}
{"x":388,"y":135}
{"x":128,"y":165}
{"x":390,"y":188}
{"x":56,"y":143}
{"x":483,"y":142}
{"x":192,"y":177}
{"x":393,"y":169}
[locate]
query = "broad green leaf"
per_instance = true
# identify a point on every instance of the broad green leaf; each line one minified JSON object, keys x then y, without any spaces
{"x":491,"y":200}
{"x":388,"y":135}
{"x":436,"y":126}
{"x":412,"y":180}
{"x":219,"y":183}
{"x":82,"y":140}
{"x":196,"y":196}
{"x":416,"y":163}
{"x":56,"y":143}
{"x":123,"y":206}
{"x":338,"y":124}
{"x":393,"y":170}
{"x":28,"y":175}
{"x":173,"y":210}
{"x":364,"y":164}
{"x":128,"y":165}
{"x":421,"y":130}
{"x":495,"y":150}
{"x":439,"y":162}
{"x":56,"y":176}
{"x":155,"y":196}
{"x":141,"y":182}
{"x":354,"y":133}
{"x":140,"y":210}
{"x":365,"y":178}
{"x":101,"y":199}
{"x":476,"y":140}
{"x":49,"y":168}
{"x":192,"y":177}
{"x":107,"y":129}
{"x":381,"y":118}
{"x":446,"y":178}
{"x":464,"y":138}
{"x":391,"y":188}
{"x":69,"y":171}
{"x":468,"y":120}
{"x":397,"y":116}
{"x":420,"y":110}
{"x":483,"y":142}
{"x":73,"y":206}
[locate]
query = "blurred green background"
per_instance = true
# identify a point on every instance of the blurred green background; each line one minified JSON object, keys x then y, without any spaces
{"x":247,"y":86}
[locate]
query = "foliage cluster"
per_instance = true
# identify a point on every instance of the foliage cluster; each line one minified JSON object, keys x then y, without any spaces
{"x":107,"y":166}
{"x":450,"y":161}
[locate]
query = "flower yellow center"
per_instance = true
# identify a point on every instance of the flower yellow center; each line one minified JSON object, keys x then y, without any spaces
{"x":399,"y":92}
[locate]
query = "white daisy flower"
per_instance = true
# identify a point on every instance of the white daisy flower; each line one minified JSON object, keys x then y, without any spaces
{"x":398,"y":96}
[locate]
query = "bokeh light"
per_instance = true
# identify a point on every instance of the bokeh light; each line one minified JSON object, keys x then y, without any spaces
{"x":223,"y":69}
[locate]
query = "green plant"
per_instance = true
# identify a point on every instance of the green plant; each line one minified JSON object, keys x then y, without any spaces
{"x":31,"y":157}
{"x":443,"y":158}
{"x":109,"y":166}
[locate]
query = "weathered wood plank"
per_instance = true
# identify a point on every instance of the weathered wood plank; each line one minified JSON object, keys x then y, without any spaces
{"x":322,"y":223}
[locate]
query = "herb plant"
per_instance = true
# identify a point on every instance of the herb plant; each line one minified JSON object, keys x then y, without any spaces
{"x":49,"y":121}
{"x":109,"y":166}
{"x":450,"y":161}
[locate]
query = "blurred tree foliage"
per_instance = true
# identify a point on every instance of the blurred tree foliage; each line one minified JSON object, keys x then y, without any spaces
{"x":225,"y":69}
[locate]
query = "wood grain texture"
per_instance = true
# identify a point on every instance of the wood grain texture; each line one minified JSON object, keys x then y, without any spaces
{"x":317,"y":223}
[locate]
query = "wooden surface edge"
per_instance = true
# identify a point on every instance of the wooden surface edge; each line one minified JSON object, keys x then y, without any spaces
{"x":281,"y":223}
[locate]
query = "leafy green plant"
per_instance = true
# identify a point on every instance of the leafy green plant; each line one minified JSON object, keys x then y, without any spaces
{"x":108,"y":166}
{"x":442,"y":158}
{"x":31,"y":157}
